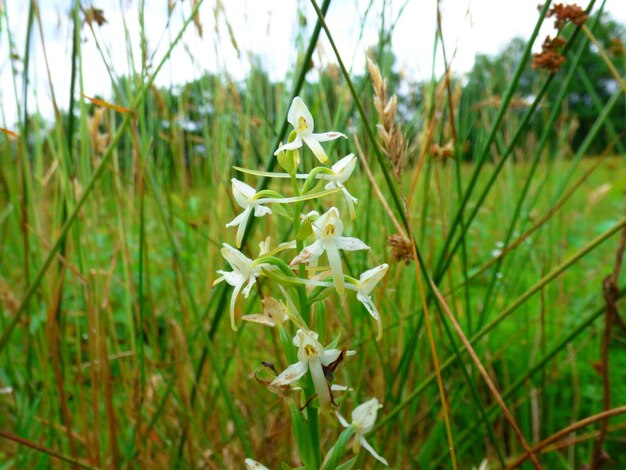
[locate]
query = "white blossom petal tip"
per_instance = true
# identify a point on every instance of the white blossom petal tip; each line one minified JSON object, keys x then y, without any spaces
{"x":254,"y":465}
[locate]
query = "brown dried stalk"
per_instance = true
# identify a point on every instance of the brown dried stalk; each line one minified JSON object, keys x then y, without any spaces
{"x":568,"y":430}
{"x":611,"y":294}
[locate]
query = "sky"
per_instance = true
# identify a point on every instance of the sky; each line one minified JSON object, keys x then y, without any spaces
{"x":267,"y":29}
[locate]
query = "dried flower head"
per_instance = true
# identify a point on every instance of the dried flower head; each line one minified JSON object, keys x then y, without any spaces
{"x":617,"y":48}
{"x":99,"y":140}
{"x":400,"y":248}
{"x":94,"y":15}
{"x":389,"y":130}
{"x":567,"y":13}
{"x":442,"y":152}
{"x":549,"y":58}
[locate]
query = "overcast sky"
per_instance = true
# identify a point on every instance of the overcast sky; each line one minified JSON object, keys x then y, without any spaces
{"x":265,"y":28}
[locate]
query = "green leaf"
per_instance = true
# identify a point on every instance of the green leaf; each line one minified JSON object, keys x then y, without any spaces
{"x":283,"y":210}
{"x":338,"y":450}
{"x":306,"y":229}
{"x":347,"y":465}
{"x":302,"y":437}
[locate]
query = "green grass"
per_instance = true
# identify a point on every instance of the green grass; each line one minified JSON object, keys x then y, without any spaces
{"x":119,"y":352}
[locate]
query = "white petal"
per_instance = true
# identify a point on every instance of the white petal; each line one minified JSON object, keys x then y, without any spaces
{"x":316,"y":148}
{"x":233,"y":300}
{"x":371,"y":450}
{"x":350,"y":244}
{"x":303,"y":335}
{"x":334,"y":261}
{"x":290,"y":374}
{"x":326,"y":136}
{"x":373,"y":311}
{"x":328,"y":217}
{"x":342,"y":420}
{"x":364,"y":415}
{"x":319,"y":381}
{"x":239,"y":219}
{"x":350,"y":200}
{"x":251,"y":282}
{"x":310,"y":252}
{"x":233,"y":278}
{"x":242,"y":192}
{"x":299,"y":110}
{"x":296,"y":144}
{"x":371,"y":277}
{"x":330,"y":355}
{"x":260,"y":211}
{"x":237,"y":260}
{"x":254,"y":465}
{"x":321,"y":225}
{"x":332,"y":184}
{"x":241,"y":229}
{"x":344,"y":167}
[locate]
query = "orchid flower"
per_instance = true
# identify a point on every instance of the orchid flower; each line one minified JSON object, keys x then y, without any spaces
{"x":245,"y":196}
{"x":364,"y":287}
{"x":274,"y":313}
{"x":245,"y":271}
{"x":340,"y":172}
{"x":254,"y":465}
{"x":328,"y":229}
{"x":311,"y":357}
{"x":302,"y":121}
{"x":363,"y":419}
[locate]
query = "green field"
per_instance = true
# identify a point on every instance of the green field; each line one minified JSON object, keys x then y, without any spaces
{"x":116,"y":350}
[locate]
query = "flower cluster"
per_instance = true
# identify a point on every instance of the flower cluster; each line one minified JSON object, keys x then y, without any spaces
{"x":314,"y":271}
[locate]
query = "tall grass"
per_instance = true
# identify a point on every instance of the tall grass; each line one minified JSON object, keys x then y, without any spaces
{"x":113,"y":352}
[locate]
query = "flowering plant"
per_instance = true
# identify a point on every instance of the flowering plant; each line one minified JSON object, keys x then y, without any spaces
{"x":300,"y":283}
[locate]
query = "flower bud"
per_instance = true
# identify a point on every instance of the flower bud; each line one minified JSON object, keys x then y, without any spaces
{"x":289,"y":159}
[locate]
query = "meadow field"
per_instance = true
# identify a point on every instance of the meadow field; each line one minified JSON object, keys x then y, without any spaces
{"x":493,"y":203}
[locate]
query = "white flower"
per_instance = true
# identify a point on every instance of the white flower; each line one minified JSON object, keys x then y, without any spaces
{"x":274,"y":313}
{"x":245,"y":197}
{"x":244,"y":271}
{"x":311,"y":356}
{"x":364,"y":287}
{"x":254,"y":465}
{"x":363,"y":419}
{"x":328,"y":229}
{"x":340,"y":172}
{"x":484,"y":465}
{"x":302,"y":121}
